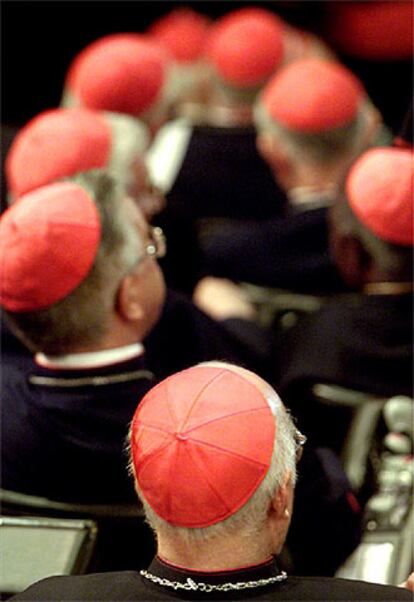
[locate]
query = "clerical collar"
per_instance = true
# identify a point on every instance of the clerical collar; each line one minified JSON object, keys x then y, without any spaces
{"x":229,"y":117}
{"x":388,"y":288}
{"x":92,"y":359}
{"x":213,"y":584}
{"x":304,"y":198}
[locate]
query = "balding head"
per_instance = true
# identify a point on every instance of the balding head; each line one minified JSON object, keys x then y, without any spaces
{"x":230,"y":443}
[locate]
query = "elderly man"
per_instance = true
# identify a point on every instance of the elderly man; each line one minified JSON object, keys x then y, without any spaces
{"x":308,"y":150}
{"x":213,"y":455}
{"x":215,"y":169}
{"x":364,"y":342}
{"x":206,"y":161}
{"x":124,"y":73}
{"x":59,"y":143}
{"x":184,"y":32}
{"x":81,"y":287}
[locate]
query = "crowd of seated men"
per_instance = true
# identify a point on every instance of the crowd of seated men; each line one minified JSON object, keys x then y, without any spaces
{"x":182,"y":163}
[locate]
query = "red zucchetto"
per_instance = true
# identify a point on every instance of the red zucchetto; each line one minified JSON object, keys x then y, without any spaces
{"x":202,"y":442}
{"x":48,"y":243}
{"x":379,"y":190}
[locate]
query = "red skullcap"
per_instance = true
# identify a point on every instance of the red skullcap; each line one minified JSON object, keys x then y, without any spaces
{"x":183,"y":32}
{"x":379,"y":189}
{"x":57,"y":144}
{"x":48,"y":243}
{"x":313,"y":95}
{"x":202,"y":442}
{"x":123,"y":73}
{"x":246,"y":46}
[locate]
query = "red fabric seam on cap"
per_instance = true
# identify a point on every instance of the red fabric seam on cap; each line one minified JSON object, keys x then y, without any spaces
{"x":226,"y":416}
{"x":161,"y":430}
{"x":201,"y":467}
{"x":199,"y":394}
{"x":154,"y":453}
{"x":169,"y":405}
{"x":244,"y":499}
{"x":157,"y":451}
{"x":228,"y":452}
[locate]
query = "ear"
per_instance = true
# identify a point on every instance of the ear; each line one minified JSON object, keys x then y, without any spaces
{"x":351,"y":258}
{"x":280,"y":506}
{"x":371,"y":129}
{"x":129,"y":305}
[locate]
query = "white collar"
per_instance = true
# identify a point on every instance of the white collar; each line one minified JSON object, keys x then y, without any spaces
{"x":90,"y":359}
{"x":309,"y":197}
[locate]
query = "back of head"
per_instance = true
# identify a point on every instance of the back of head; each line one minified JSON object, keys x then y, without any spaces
{"x":226,"y":438}
{"x":183,"y":32}
{"x":313,"y":107}
{"x":377,"y":210}
{"x":379,"y":190}
{"x":63,"y":250}
{"x":244,"y":49}
{"x":123,"y":73}
{"x":60,"y":143}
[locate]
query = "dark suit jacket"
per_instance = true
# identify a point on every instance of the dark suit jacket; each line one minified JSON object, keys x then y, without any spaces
{"x":222,"y":175}
{"x":132,"y":586}
{"x":66,"y":442}
{"x":360,"y":341}
{"x":63,"y":431}
{"x":363,"y":342}
{"x":64,"y":439}
{"x":289,"y":251}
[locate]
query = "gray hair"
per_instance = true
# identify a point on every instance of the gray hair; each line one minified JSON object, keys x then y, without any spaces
{"x":233,"y":94}
{"x":83,"y":317}
{"x":327,"y":146}
{"x":250,"y":518}
{"x":394,"y":261}
{"x":130,"y":140}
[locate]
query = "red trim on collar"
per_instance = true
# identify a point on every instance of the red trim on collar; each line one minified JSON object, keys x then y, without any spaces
{"x":183,"y":569}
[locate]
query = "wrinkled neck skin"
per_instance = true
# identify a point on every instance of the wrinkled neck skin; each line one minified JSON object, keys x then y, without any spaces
{"x":218,"y":554}
{"x":233,"y":548}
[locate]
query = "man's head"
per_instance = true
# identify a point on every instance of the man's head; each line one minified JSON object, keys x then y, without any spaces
{"x":372,"y":220}
{"x":313,"y":117}
{"x":122,"y":73}
{"x":61,"y":143}
{"x":184,"y":32}
{"x":75,"y":267}
{"x":213,"y":455}
{"x":244,"y":49}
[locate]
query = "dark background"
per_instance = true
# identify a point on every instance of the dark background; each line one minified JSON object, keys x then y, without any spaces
{"x":40,"y":38}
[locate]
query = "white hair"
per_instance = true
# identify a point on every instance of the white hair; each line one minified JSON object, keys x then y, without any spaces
{"x":327,"y":146}
{"x":167,"y":96}
{"x":250,"y":518}
{"x":130,"y":140}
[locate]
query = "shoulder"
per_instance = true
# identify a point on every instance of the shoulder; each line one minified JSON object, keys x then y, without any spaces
{"x":327,"y":588}
{"x":117,"y":586}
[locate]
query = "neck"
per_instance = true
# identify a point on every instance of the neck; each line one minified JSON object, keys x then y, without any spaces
{"x":387,"y":288}
{"x":118,"y":334}
{"x":230,"y":116}
{"x":227,"y":553}
{"x":320,"y":175}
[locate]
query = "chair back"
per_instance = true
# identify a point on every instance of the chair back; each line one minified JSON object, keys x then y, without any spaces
{"x":33,"y":548}
{"x":124,"y":541}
